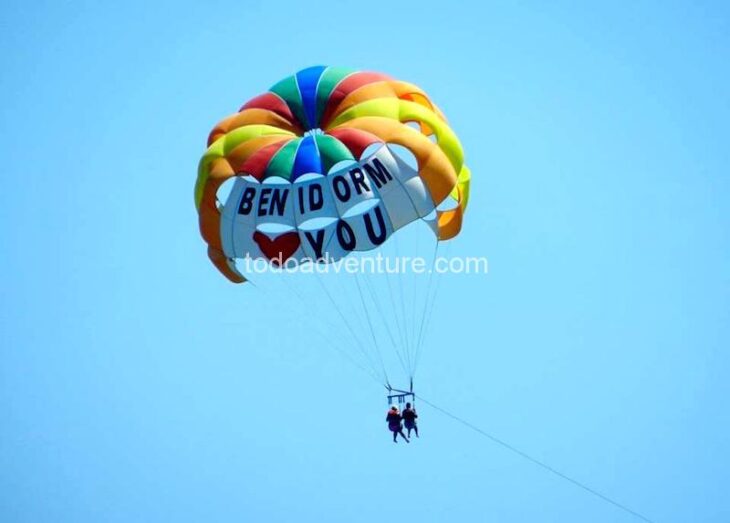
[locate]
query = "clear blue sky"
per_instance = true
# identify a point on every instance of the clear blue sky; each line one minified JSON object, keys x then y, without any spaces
{"x":137,"y":384}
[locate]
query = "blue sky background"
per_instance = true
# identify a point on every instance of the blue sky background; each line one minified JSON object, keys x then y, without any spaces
{"x":137,"y":384}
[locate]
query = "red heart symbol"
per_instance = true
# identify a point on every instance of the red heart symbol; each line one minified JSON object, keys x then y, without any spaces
{"x":280,"y":248}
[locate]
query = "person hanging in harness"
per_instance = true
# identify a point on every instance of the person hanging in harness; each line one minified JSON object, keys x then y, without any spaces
{"x":394,"y":424}
{"x":409,"y":417}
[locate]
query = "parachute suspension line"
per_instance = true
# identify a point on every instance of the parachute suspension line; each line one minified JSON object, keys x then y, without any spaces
{"x":285,"y":300}
{"x":414,"y":303}
{"x":372,"y":330}
{"x":335,"y":345}
{"x":401,"y":294}
{"x":347,"y":356}
{"x":430,"y":304}
{"x":343,"y":292}
{"x":384,"y":378}
{"x":429,"y":287}
{"x":347,"y":310}
{"x":378,"y":308}
{"x":269,"y":292}
{"x":398,"y":325}
{"x":537,"y":462}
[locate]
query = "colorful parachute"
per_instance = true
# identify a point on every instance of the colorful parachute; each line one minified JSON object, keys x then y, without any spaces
{"x":319,"y":170}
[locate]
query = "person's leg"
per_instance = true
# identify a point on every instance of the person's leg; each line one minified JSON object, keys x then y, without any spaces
{"x":415,"y":427}
{"x":404,"y":436}
{"x":395,"y":437}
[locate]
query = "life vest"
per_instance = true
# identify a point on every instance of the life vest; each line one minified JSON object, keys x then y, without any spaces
{"x":394,"y":419}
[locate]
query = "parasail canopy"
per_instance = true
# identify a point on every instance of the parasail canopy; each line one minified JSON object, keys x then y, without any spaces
{"x":329,"y":161}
